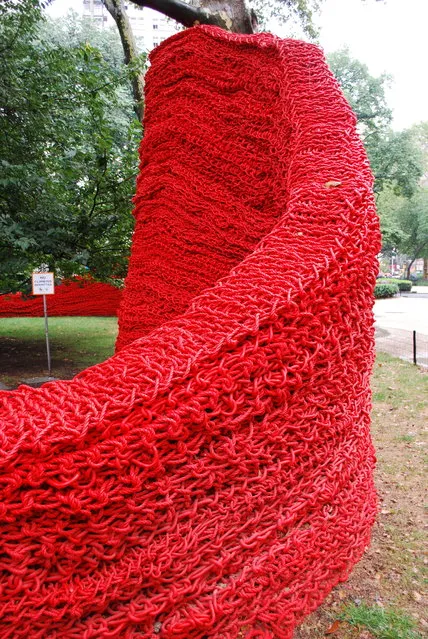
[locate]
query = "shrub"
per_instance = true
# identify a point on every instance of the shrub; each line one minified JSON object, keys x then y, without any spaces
{"x":403,"y":285}
{"x":385,"y":289}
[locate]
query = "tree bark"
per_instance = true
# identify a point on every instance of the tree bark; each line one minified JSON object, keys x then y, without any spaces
{"x":116,"y":8}
{"x":232,"y":15}
{"x":417,"y":253}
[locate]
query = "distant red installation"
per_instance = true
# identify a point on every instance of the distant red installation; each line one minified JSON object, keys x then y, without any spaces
{"x":79,"y":296}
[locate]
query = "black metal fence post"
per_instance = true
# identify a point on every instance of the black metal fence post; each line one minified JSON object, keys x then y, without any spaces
{"x":414,"y":348}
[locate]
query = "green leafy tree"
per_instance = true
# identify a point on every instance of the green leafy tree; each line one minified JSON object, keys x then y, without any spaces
{"x":388,"y":205}
{"x":419,"y":135}
{"x":395,"y":158}
{"x":69,"y":140}
{"x":412,"y":218}
{"x":404,"y":224}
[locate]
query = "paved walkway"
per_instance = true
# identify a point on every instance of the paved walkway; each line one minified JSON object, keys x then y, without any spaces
{"x":420,"y":289}
{"x":408,"y":312}
{"x":396,"y":319}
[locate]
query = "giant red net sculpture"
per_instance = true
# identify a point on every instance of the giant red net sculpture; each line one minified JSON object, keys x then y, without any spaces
{"x":214,"y":478}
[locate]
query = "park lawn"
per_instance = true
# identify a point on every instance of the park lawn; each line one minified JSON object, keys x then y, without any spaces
{"x":383,"y":599}
{"x":75,"y":343}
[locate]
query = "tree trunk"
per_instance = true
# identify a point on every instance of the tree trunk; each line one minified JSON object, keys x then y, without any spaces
{"x":425,"y":268}
{"x":116,"y":8}
{"x":409,"y":266}
{"x":232,"y":15}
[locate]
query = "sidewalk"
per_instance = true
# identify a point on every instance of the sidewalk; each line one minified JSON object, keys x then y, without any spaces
{"x":395,"y":321}
{"x":405,"y":312}
{"x":399,"y":343}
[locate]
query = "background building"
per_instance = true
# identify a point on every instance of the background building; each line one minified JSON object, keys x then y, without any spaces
{"x":150,"y":27}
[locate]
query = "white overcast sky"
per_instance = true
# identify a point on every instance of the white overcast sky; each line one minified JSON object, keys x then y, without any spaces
{"x":389,"y":36}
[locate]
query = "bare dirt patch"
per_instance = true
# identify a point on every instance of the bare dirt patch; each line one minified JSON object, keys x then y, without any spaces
{"x":21,"y":360}
{"x":75,"y":344}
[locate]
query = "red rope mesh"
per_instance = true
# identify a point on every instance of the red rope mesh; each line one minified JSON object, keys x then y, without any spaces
{"x":214,"y":478}
{"x":80,"y":296}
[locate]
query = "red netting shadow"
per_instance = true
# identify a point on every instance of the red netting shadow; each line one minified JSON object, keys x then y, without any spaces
{"x":214,"y":478}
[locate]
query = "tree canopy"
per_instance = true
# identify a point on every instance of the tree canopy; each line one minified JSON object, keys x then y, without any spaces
{"x":69,"y":127}
{"x":395,"y":157}
{"x":69,"y":140}
{"x":399,"y":160}
{"x":404,"y":224}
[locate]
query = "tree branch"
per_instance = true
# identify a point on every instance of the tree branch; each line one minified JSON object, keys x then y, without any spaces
{"x":235,"y":18}
{"x":416,"y":255}
{"x":117,"y":10}
{"x":179,"y":11}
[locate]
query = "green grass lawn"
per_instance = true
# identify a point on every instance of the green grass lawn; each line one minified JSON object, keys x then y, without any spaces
{"x":75,"y":342}
{"x":381,"y":623}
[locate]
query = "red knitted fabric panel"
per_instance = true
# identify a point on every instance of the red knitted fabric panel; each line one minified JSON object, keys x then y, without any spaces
{"x":72,"y":297}
{"x":213,"y":159}
{"x":214,"y":478}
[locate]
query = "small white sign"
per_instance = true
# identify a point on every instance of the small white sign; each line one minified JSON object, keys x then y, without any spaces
{"x":43,"y":283}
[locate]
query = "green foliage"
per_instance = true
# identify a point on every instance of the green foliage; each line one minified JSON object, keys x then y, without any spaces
{"x":404,"y":222}
{"x":365,"y":93}
{"x":419,"y":135}
{"x":396,"y":161}
{"x":388,"y":204}
{"x":384,"y":624}
{"x":69,"y":142}
{"x":385,"y":289}
{"x":412,"y":218}
{"x":403,"y":285}
{"x":395,"y":158}
{"x":297,"y":12}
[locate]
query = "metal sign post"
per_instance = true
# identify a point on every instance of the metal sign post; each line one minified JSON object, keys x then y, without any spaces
{"x":43,"y":284}
{"x":48,"y":350}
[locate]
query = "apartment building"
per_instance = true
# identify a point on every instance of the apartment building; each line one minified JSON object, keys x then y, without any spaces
{"x":150,"y":27}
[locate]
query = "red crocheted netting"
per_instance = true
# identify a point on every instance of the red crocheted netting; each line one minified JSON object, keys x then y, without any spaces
{"x":78,"y":296}
{"x":212,"y":480}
